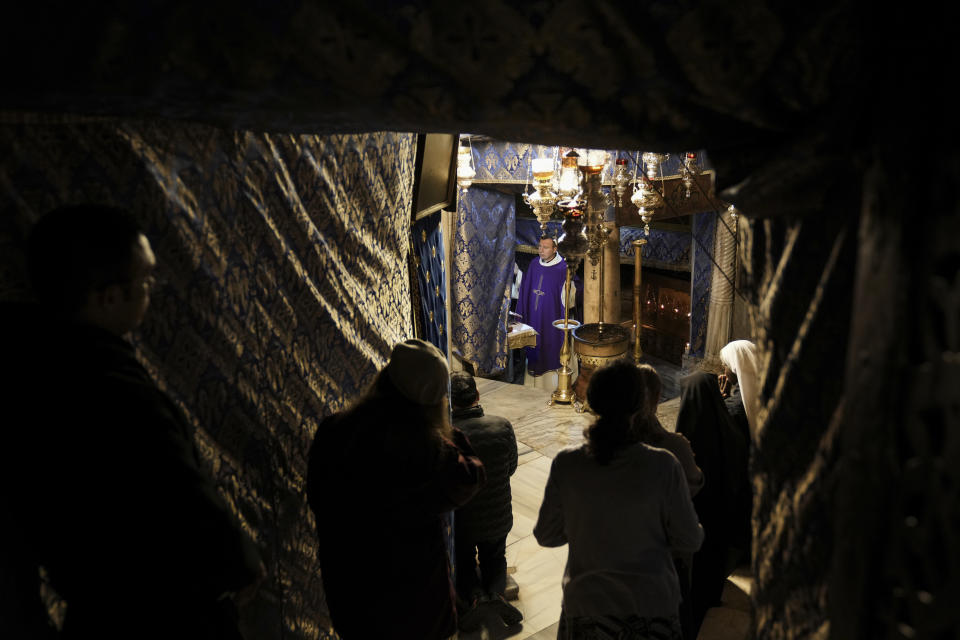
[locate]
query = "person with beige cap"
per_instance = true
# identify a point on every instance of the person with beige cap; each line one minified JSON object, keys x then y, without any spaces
{"x":380,"y":477}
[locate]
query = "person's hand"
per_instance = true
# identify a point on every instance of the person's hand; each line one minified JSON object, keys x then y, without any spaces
{"x":724,"y":386}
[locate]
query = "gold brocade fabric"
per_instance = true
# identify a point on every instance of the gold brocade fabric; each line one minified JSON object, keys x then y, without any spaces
{"x":481,"y":276}
{"x":793,"y":473}
{"x":282,"y":261}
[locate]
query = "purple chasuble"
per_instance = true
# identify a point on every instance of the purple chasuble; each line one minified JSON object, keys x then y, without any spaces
{"x":539,"y":304}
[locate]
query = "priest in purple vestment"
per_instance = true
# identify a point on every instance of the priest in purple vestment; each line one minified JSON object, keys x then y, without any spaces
{"x":540,"y":302}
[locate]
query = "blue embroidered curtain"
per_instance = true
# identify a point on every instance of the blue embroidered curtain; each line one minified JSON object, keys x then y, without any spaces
{"x":431,"y":278}
{"x":284,"y":259}
{"x":481,"y":277}
{"x":664,"y":249}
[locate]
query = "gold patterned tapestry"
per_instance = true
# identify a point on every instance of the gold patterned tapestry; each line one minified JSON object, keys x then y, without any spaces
{"x":284,"y":285}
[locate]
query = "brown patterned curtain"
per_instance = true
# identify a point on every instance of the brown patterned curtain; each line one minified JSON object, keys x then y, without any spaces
{"x":283,"y":260}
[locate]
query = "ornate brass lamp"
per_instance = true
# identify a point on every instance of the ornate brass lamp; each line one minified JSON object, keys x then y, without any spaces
{"x":646,"y":198}
{"x":621,"y":180}
{"x":543,"y":201}
{"x":689,"y":172}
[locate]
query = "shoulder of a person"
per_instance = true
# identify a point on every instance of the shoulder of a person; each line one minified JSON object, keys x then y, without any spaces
{"x":471,"y":424}
{"x":327,"y":431}
{"x":651,"y":452}
{"x":664,"y":460}
{"x":499,"y":421}
{"x":676,"y":438}
{"x":485,"y":429}
{"x":570,"y":456}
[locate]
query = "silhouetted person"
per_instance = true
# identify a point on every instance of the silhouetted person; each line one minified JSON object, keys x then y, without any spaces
{"x":380,"y":477}
{"x":624,"y":508}
{"x":22,"y":612}
{"x":723,"y":505}
{"x":650,"y":431}
{"x":130,"y":530}
{"x":481,"y":526}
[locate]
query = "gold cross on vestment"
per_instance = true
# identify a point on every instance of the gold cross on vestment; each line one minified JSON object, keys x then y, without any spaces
{"x":537,"y":292}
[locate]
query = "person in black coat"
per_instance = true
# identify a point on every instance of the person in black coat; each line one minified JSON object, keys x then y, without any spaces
{"x":380,"y":478}
{"x":131,"y":532}
{"x":481,"y":526}
{"x":722,"y":451}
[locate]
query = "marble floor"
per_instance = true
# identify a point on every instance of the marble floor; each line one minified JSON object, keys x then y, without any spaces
{"x":542,"y":431}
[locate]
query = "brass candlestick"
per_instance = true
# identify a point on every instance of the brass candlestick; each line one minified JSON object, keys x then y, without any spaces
{"x":564,"y":391}
{"x":637,"y":309}
{"x":572,"y":245}
{"x":605,"y":232}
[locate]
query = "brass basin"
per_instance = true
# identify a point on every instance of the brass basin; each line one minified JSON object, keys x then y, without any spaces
{"x":596,"y":347}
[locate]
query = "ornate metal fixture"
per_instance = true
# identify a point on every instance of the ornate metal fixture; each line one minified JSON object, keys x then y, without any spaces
{"x":621,"y":180}
{"x":646,"y":198}
{"x":568,"y":186}
{"x":653,"y":161}
{"x":543,"y":201}
{"x":689,"y":171}
{"x":465,"y":170}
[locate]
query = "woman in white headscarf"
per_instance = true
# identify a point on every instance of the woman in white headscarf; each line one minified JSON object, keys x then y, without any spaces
{"x":741,"y":375}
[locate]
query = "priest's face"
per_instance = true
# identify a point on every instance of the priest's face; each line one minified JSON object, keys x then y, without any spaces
{"x":547,"y":249}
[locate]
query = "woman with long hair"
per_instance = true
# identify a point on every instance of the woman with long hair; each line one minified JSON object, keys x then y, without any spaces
{"x":624,"y":508}
{"x":381,"y":475}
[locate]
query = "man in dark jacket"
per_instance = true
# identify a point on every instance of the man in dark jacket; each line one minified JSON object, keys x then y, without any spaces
{"x":130,"y":530}
{"x":481,"y":526}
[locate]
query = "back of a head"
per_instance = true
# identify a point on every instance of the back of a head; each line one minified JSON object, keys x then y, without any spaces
{"x":645,"y":421}
{"x":652,"y":386}
{"x":616,"y":390}
{"x":463,"y":389}
{"x":615,"y":393}
{"x":78,"y":249}
{"x":410,"y":392}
